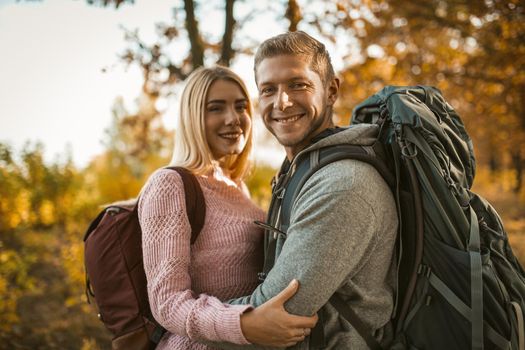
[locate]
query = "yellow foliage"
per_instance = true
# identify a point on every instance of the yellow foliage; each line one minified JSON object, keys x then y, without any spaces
{"x":47,"y":212}
{"x":3,"y":285}
{"x":89,"y":344}
{"x":12,"y":268}
{"x":72,"y":258}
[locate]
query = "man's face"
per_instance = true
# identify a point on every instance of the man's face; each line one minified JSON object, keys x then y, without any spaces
{"x":294,"y":103}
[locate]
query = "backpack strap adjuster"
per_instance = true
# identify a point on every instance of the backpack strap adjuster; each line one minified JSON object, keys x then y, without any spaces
{"x":424,"y":270}
{"x":157,"y":334}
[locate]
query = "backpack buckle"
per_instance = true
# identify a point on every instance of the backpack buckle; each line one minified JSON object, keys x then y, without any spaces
{"x":424,"y":270}
{"x":279,"y":193}
{"x":261,"y":276}
{"x":406,"y":152}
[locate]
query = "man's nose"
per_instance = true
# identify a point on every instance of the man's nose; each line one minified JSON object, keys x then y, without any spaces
{"x":283,"y":101}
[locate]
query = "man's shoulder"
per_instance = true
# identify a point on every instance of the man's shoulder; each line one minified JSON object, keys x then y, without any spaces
{"x":347,"y":174}
{"x":354,"y":179}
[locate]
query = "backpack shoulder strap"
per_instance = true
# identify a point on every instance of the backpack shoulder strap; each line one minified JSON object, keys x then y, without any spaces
{"x":305,"y":168}
{"x":314,"y":161}
{"x":195,"y":205}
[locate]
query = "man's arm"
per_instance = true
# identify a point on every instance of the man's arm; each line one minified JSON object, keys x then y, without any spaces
{"x":334,"y":229}
{"x":332,"y":234}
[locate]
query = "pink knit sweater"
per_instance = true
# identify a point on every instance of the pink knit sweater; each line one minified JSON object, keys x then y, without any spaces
{"x":186,"y":285}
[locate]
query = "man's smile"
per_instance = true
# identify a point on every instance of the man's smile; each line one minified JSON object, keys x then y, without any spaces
{"x":289,"y":119}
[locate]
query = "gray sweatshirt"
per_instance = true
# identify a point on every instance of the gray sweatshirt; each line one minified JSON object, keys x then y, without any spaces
{"x":341,"y":240}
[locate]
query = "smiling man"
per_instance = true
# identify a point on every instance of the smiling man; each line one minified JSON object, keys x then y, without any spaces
{"x":341,"y":233}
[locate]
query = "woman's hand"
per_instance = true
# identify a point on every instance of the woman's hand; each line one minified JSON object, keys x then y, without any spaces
{"x":271,"y":325}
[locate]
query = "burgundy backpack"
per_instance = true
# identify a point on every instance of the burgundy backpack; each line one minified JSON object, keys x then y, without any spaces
{"x":115,"y":275}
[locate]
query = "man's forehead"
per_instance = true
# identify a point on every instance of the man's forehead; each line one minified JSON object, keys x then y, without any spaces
{"x":283,"y":67}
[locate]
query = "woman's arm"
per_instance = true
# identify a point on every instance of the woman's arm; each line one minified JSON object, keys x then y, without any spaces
{"x":166,"y":250}
{"x":270,"y":326}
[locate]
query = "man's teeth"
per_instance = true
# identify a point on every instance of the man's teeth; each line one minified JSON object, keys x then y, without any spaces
{"x":290,"y":119}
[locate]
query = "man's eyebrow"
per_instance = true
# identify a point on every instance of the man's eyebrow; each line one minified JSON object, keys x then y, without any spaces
{"x":299,"y":77}
{"x":265,"y":83}
{"x":309,"y":81}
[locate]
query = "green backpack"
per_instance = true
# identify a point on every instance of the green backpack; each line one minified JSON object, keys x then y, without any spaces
{"x":459,"y":284}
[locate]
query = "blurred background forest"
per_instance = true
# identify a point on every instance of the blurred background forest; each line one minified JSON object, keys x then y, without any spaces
{"x":474,"y":51}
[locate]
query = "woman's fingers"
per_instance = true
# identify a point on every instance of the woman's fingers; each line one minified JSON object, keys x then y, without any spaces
{"x":286,"y":293}
{"x":270,"y":323}
{"x":299,"y":337}
{"x":303,"y":321}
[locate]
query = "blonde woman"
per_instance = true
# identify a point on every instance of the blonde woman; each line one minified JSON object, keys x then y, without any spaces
{"x":186,"y":284}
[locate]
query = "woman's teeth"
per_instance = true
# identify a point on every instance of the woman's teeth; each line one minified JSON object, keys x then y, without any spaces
{"x":231,"y":136}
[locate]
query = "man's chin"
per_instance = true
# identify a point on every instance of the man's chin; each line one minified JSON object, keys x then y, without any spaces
{"x":287,"y":141}
{"x":293,"y":145}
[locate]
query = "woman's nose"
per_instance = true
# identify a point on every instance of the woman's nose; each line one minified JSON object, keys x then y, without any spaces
{"x":232,"y":117}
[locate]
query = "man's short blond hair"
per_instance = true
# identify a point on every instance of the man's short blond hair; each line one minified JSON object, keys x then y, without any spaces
{"x":300,"y":44}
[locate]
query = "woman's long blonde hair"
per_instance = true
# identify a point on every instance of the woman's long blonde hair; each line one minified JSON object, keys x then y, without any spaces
{"x":191,"y":149}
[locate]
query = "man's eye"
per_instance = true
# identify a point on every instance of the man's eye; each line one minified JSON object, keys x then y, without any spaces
{"x":267,"y":90}
{"x":298,"y":85}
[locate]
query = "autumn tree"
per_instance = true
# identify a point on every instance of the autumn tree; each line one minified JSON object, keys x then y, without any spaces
{"x":473,"y":51}
{"x":43,"y":212}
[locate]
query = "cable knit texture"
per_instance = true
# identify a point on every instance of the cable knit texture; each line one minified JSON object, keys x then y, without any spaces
{"x":186,"y":284}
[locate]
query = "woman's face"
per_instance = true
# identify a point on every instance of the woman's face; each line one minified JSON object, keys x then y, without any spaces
{"x":226,"y":119}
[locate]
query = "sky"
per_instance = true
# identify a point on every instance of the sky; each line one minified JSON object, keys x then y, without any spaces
{"x":60,"y":73}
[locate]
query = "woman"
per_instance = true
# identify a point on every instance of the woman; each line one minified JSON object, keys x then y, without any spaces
{"x":185,"y":285}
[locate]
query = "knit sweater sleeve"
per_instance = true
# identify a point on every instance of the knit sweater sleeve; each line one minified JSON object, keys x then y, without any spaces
{"x":166,"y":248}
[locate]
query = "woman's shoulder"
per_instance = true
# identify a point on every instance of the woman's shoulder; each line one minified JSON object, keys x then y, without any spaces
{"x":164,"y":175}
{"x":163,"y":180}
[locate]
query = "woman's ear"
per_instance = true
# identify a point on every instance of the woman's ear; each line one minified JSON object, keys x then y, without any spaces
{"x":333,"y":90}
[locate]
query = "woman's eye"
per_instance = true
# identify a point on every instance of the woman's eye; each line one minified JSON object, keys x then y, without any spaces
{"x":214,"y":109}
{"x":241,"y":108}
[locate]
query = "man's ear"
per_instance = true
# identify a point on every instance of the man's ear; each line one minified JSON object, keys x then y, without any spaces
{"x":333,"y":90}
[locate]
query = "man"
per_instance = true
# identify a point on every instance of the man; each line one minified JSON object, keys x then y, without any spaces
{"x":343,"y":222}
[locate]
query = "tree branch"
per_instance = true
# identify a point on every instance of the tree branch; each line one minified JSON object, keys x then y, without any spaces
{"x":192,"y":26}
{"x":227,"y":52}
{"x":293,"y":14}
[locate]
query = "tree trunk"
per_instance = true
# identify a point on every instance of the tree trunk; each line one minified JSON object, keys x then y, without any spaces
{"x":517,"y":162}
{"x":227,"y":50}
{"x":493,"y":161}
{"x":192,"y":26}
{"x":293,"y":14}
